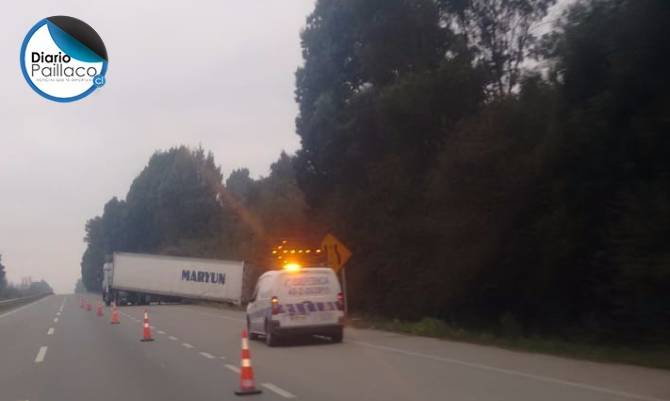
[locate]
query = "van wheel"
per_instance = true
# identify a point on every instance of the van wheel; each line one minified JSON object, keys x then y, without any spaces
{"x":337,"y":336}
{"x":252,"y":335}
{"x":270,"y":339}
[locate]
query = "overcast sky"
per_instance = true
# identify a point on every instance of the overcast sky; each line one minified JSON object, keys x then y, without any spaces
{"x":219,"y":75}
{"x":212,"y":73}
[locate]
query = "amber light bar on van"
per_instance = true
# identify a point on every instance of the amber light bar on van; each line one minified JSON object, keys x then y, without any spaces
{"x":292,"y":267}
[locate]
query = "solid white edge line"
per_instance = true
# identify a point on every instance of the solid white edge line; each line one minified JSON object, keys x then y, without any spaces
{"x":278,"y":390}
{"x":41,"y":354}
{"x":510,"y":372}
{"x":51,"y":331}
{"x":206,"y":355}
{"x":13,"y":311}
{"x":233,"y":368}
{"x":186,"y":345}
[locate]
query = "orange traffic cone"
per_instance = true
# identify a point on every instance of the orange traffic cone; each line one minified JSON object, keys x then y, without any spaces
{"x":247,"y":385}
{"x":99,"y":310}
{"x":115,"y":315}
{"x":146,"y":336}
{"x":88,"y":306}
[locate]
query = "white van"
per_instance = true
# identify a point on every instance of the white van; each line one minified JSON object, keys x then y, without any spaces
{"x":296,"y":302}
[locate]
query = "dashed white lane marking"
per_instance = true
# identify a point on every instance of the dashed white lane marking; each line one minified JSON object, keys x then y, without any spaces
{"x":186,"y":345}
{"x":160,"y":332}
{"x":41,"y":354}
{"x":278,"y":390}
{"x":13,"y":311}
{"x":51,"y":331}
{"x":153,"y":327}
{"x":57,"y":313}
{"x":206,"y":355}
{"x":222,"y":357}
{"x":55,"y":320}
{"x":173,"y":338}
{"x":510,"y":372}
{"x":233,"y":368}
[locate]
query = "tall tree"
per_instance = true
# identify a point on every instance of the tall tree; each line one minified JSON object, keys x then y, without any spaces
{"x":94,"y":256}
{"x":501,"y":32}
{"x":353,"y":49}
{"x":175,"y":198}
{"x":3,"y":278}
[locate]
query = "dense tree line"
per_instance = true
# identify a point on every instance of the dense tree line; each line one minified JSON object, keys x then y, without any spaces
{"x":482,"y":173}
{"x":179,"y":205}
{"x":478,"y":191}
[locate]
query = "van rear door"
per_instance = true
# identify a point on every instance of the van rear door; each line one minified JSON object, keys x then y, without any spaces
{"x":309,"y":298}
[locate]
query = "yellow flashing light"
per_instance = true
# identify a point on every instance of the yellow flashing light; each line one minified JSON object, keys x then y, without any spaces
{"x":292,"y":267}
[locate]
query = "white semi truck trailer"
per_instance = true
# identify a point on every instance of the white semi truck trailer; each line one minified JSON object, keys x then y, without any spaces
{"x":139,"y":279}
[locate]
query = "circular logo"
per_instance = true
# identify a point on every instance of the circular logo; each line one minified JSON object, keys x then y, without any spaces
{"x":63,"y":59}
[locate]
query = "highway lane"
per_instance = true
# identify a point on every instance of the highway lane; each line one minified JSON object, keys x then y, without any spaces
{"x":196,"y":354}
{"x":89,"y":359}
{"x":374,"y":365}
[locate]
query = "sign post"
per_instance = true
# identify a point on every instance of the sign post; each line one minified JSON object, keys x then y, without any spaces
{"x":344,"y":291}
{"x":337,"y":255}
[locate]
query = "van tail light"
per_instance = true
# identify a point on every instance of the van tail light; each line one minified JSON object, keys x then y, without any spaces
{"x":340,"y":301}
{"x":275,"y":305}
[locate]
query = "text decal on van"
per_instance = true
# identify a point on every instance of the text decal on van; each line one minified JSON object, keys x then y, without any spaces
{"x":203,"y":277}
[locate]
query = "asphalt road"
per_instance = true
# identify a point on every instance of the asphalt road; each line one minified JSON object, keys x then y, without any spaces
{"x":54,"y":351}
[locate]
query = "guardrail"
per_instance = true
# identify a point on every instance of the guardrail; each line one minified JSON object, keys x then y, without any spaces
{"x":10,"y":303}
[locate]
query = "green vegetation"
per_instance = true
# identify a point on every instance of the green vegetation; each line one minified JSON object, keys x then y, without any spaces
{"x":653,"y":356}
{"x":179,"y":206}
{"x":501,"y":180}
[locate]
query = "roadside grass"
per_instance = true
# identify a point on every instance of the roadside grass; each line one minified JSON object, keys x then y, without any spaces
{"x":653,"y":356}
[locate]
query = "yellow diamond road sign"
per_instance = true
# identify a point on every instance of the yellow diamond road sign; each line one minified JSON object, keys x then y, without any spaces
{"x":336,"y":252}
